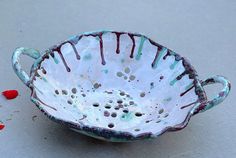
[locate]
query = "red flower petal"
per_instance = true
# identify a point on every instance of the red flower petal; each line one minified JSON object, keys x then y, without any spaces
{"x":2,"y":126}
{"x":10,"y":94}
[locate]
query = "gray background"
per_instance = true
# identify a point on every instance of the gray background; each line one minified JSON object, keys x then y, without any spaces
{"x":203,"y":31}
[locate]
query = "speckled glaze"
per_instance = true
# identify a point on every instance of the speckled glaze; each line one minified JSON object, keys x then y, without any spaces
{"x":116,"y":86}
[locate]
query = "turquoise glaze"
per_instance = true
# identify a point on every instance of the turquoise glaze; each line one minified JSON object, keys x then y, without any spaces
{"x":116,"y":86}
{"x":217,"y":99}
{"x":139,"y":54}
{"x":16,"y":65}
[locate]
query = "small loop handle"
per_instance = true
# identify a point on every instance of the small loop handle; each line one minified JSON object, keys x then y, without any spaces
{"x":16,"y":64}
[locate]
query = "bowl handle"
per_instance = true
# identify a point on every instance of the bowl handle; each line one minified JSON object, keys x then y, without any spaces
{"x":217,"y":99}
{"x":16,"y":65}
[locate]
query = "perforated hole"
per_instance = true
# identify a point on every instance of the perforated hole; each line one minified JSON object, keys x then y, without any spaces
{"x":69,"y":102}
{"x":125,"y":110}
{"x":152,"y":84}
{"x":74,"y":90}
{"x":57,"y":92}
{"x":122,"y":93}
{"x":136,"y":130}
{"x":97,"y":85}
{"x":119,"y":101}
{"x":107,"y":106}
{"x":138,"y":114}
{"x":96,"y":104}
{"x":113,"y":114}
{"x":110,"y":125}
{"x":131,"y":103}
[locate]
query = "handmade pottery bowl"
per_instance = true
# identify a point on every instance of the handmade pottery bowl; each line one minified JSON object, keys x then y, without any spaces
{"x":116,"y":86}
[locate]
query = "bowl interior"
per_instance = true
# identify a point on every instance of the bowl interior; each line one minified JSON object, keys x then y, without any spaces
{"x":114,"y":80}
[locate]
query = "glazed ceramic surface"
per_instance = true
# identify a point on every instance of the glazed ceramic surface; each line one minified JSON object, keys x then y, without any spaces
{"x":116,"y":86}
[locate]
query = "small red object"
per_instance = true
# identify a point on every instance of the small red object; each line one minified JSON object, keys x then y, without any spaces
{"x":10,"y":94}
{"x":2,"y":126}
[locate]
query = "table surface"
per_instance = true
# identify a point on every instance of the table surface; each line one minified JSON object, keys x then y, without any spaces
{"x":203,"y":31}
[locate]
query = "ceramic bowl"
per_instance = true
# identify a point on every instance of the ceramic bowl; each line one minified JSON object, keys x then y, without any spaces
{"x":116,"y":86}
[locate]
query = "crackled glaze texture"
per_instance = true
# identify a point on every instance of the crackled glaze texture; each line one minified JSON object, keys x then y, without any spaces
{"x":116,"y":85}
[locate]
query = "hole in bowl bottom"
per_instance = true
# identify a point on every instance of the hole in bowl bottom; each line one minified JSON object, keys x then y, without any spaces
{"x":113,"y":109}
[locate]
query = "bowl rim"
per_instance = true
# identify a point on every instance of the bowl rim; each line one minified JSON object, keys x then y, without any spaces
{"x":109,"y":134}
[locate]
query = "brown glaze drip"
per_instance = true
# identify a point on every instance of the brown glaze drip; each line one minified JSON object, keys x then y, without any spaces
{"x":43,"y":70}
{"x":181,"y":75}
{"x":154,"y":43}
{"x":182,"y":94}
{"x":101,"y":45}
{"x":118,"y":41}
{"x":101,"y":49}
{"x":52,"y":54}
{"x":157,"y":54}
{"x":132,"y":49}
{"x":46,"y":56}
{"x":75,"y":50}
{"x":48,"y":106}
{"x":58,"y":49}
{"x":80,"y":37}
{"x":34,"y":94}
{"x":167,"y":54}
{"x":185,"y":106}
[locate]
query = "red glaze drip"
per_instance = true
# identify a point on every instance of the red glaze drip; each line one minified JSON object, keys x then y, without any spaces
{"x":157,"y":54}
{"x":182,"y":94}
{"x":132,"y":49}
